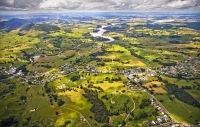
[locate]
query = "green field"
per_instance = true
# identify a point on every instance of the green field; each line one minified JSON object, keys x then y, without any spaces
{"x":182,"y":112}
{"x":61,"y":61}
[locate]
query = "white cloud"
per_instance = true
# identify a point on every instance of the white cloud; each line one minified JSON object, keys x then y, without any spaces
{"x":181,"y":4}
{"x":52,"y":4}
{"x":100,"y":4}
{"x":10,"y":1}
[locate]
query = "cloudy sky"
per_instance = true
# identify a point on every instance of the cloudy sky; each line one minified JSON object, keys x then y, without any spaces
{"x":99,"y":5}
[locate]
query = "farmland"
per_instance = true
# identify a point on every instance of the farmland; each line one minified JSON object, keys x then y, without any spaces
{"x":134,"y":73}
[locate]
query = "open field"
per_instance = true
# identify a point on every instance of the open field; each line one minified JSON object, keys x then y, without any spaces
{"x":180,"y":111}
{"x":55,"y":73}
{"x":156,"y":87}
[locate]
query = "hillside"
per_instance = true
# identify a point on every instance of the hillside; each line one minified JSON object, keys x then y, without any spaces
{"x":13,"y":24}
{"x":100,"y":70}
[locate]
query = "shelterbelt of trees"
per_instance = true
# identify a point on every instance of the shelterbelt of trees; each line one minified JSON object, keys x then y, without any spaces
{"x":181,"y":94}
{"x":99,"y":109}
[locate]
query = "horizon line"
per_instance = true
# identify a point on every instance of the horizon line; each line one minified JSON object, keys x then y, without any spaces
{"x":4,"y":12}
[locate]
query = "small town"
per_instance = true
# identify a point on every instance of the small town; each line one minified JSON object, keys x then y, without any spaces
{"x":135,"y":75}
{"x":184,"y":69}
{"x":100,"y":63}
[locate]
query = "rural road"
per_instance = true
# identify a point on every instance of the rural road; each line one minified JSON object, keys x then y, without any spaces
{"x":131,"y":110}
{"x":79,"y":114}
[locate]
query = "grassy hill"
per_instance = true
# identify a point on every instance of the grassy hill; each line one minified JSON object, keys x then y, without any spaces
{"x":69,"y":78}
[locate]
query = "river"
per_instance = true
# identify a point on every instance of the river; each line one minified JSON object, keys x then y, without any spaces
{"x":100,"y":33}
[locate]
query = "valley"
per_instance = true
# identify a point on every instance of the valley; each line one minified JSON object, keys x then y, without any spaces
{"x":100,"y":69}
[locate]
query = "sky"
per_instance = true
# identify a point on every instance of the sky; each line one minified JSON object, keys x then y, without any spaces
{"x":99,"y":5}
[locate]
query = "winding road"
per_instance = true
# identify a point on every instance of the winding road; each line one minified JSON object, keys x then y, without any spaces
{"x":81,"y":115}
{"x":112,"y":102}
{"x":131,"y":110}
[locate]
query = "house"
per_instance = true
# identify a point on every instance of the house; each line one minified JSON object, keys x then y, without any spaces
{"x":176,"y":125}
{"x":153,"y":122}
{"x":12,"y":70}
{"x":198,"y":122}
{"x":166,"y":119}
{"x":136,"y":80}
{"x":162,"y":110}
{"x":159,"y":120}
{"x":19,"y":73}
{"x":151,"y":99}
{"x":158,"y":107}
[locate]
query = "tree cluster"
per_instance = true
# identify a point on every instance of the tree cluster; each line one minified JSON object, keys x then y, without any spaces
{"x":110,"y":80}
{"x":96,"y":87}
{"x":10,"y":121}
{"x":135,"y":54}
{"x":46,"y":27}
{"x":74,"y":78}
{"x":60,"y":102}
{"x":5,"y":91}
{"x":66,"y":123}
{"x":186,"y":87}
{"x":101,"y":114}
{"x":141,"y":115}
{"x":181,"y":94}
{"x":145,"y":102}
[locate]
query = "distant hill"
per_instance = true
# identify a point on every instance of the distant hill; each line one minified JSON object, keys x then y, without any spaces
{"x":194,"y":25}
{"x":40,"y":27}
{"x":45,"y":27}
{"x":27,"y":27}
{"x":13,"y":24}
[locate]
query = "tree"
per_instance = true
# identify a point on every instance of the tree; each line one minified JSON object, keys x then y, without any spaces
{"x":155,"y":113}
{"x":48,"y":90}
{"x":74,"y":78}
{"x":60,"y":102}
{"x":55,"y":97}
{"x":12,"y":120}
{"x":161,"y":100}
{"x":182,"y":95}
{"x":123,"y":123}
{"x":145,"y":102}
{"x":123,"y":91}
{"x":25,"y":122}
{"x":132,"y":114}
{"x":23,"y":97}
{"x":154,"y":85}
{"x":66,"y":123}
{"x":101,"y":114}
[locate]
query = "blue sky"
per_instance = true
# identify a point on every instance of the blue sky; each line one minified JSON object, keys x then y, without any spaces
{"x":99,"y":5}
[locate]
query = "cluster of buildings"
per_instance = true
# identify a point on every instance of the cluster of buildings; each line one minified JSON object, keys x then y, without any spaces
{"x":68,"y":68}
{"x":37,"y":78}
{"x":138,"y":75}
{"x":185,"y":69}
{"x":163,"y":118}
{"x":91,"y":69}
{"x":13,"y":72}
{"x":132,"y":86}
